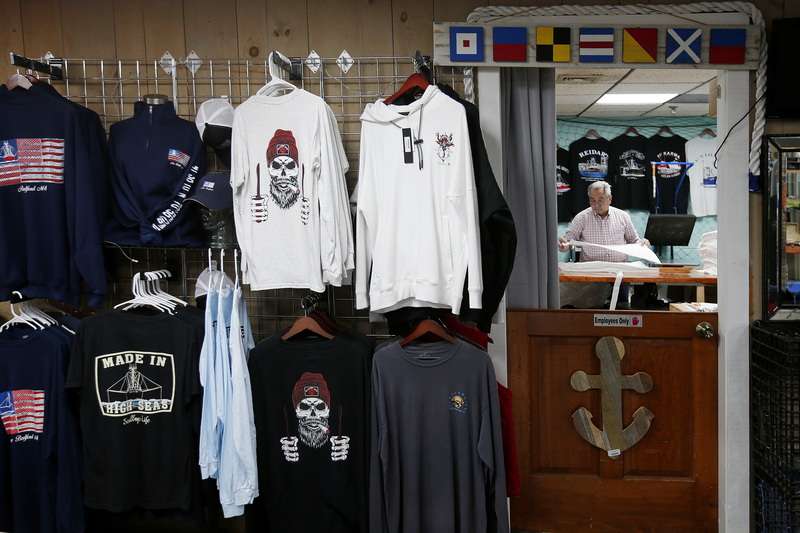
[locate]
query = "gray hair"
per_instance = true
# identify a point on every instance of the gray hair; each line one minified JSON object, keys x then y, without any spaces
{"x":603,"y":186}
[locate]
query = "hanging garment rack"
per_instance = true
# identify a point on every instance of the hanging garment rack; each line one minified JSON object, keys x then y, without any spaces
{"x":52,"y":68}
{"x":293,"y":66}
{"x":110,"y":87}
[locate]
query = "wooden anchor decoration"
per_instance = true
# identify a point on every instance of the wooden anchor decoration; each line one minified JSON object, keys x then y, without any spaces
{"x":612,"y":438}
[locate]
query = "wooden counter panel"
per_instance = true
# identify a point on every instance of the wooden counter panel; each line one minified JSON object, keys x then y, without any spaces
{"x":667,"y":275}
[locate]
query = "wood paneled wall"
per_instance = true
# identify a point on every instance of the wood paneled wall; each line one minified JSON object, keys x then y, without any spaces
{"x":145,"y":29}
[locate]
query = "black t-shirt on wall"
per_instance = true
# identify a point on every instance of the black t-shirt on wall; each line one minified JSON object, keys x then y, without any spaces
{"x":671,"y":193}
{"x":590,"y":161}
{"x":137,"y":376}
{"x":631,"y":172}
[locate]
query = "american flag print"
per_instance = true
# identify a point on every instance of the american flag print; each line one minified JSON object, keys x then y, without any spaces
{"x":176,"y":156}
{"x":22,"y":411}
{"x":31,"y":161}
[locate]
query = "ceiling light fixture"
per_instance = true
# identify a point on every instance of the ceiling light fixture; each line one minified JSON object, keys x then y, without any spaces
{"x":634,"y":99}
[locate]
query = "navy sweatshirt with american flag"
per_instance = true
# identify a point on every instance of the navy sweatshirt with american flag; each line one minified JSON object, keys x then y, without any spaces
{"x":50,"y":235}
{"x":157,"y":159}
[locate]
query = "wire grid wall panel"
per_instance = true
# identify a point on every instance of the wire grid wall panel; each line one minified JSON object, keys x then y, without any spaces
{"x":110,"y":87}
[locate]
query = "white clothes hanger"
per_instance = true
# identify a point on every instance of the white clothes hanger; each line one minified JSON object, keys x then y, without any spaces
{"x":225,"y":281}
{"x":33,"y":314}
{"x":142,"y":298}
{"x":20,"y":318}
{"x":18,"y":80}
{"x":37,"y":314}
{"x":276,"y":83}
{"x":42,"y":306}
{"x":154,"y":278}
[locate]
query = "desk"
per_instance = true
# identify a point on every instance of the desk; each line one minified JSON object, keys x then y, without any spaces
{"x":667,"y":275}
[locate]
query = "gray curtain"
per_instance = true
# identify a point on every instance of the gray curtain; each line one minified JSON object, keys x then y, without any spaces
{"x":529,"y":132}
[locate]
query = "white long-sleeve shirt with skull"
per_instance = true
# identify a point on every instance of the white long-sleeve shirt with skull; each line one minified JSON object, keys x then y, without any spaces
{"x":289,"y":194}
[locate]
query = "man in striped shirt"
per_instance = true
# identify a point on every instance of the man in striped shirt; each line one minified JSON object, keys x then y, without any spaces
{"x":601,"y":224}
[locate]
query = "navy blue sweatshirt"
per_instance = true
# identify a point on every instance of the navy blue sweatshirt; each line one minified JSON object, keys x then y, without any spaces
{"x":97,"y":144}
{"x":40,"y":456}
{"x":157,"y":158}
{"x":49,"y":232}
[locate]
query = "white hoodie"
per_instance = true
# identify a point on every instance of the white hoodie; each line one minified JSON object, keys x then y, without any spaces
{"x":417,"y":221}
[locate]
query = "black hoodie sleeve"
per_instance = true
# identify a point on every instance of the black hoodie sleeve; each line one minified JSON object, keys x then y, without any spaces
{"x":497,"y":230}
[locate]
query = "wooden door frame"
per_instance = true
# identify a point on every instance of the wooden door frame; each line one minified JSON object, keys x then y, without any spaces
{"x":733,"y":222}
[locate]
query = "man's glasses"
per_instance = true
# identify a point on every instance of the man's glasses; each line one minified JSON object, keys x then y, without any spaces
{"x":601,"y":201}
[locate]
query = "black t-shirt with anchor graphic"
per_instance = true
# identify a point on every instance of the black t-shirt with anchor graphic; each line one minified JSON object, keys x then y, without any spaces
{"x":631,"y":170}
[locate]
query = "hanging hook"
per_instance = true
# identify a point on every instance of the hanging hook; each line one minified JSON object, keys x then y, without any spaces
{"x":309,"y":303}
{"x":273,"y":74}
{"x":293,"y":66}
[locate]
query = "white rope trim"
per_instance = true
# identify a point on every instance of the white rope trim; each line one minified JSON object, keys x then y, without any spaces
{"x":492,"y":13}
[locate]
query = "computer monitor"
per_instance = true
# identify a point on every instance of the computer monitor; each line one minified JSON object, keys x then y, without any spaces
{"x":669,"y":229}
{"x":665,"y":231}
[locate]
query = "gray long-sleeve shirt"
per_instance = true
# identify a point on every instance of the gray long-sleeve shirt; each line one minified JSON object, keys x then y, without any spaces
{"x":437,"y":454}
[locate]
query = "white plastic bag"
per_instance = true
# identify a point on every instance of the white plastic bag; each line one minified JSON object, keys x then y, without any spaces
{"x":708,"y":252}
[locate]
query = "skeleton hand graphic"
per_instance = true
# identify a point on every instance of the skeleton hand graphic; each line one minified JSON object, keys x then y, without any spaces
{"x":289,"y":447}
{"x":339,"y":448}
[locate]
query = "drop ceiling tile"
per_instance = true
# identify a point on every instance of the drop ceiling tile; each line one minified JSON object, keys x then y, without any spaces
{"x":678,"y":75}
{"x":702,"y":89}
{"x":589,"y":88}
{"x":616,"y":110}
{"x":569,"y":109}
{"x":584,"y":99}
{"x":681,"y":110}
{"x":652,"y":88}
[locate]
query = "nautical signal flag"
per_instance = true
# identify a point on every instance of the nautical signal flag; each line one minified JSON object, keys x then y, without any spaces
{"x":727,"y":46}
{"x":510,"y":44}
{"x":639,"y":45}
{"x":596,"y":45}
{"x":552,"y":44}
{"x":466,"y":43}
{"x":683,"y":45}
